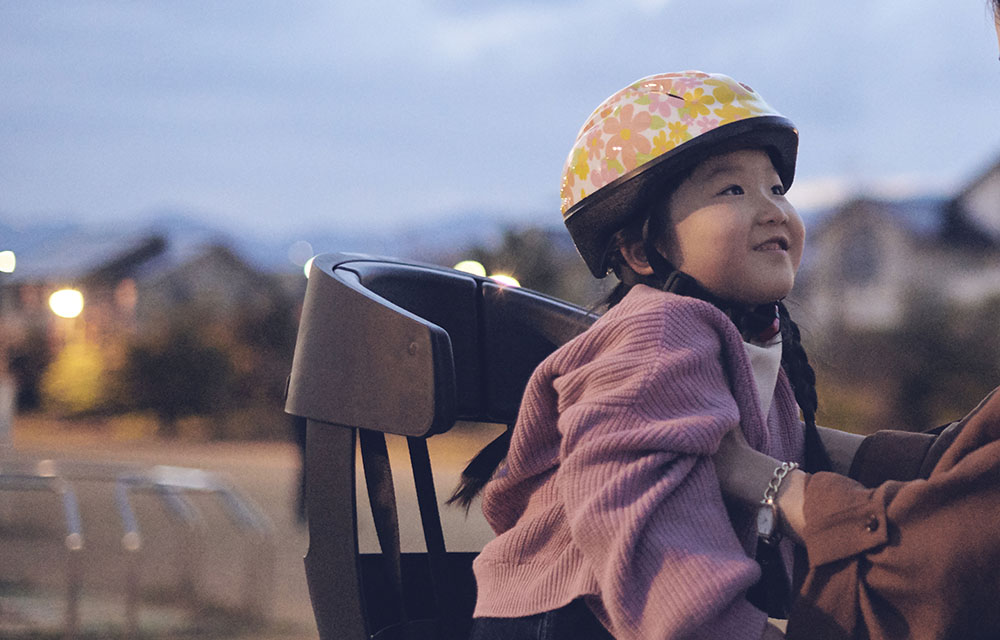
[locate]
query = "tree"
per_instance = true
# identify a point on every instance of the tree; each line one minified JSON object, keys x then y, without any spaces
{"x":28,"y":361}
{"x":74,"y":382}
{"x":931,"y":369}
{"x":177,"y":375}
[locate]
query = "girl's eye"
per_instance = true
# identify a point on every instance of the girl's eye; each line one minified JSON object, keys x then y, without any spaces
{"x":778,"y":190}
{"x":732,"y":190}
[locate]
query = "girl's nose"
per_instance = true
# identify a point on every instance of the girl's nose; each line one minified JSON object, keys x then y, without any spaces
{"x":771,"y":211}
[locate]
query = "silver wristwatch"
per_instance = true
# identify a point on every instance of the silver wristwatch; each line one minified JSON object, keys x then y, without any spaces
{"x":767,"y":513}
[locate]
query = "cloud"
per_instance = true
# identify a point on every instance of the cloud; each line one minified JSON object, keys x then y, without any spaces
{"x":651,"y":6}
{"x":316,"y":110}
{"x":464,"y":38}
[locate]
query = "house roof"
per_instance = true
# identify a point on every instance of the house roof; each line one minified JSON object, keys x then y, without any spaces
{"x":987,"y":174}
{"x":77,"y":257}
{"x":66,"y":254}
{"x":166,"y":265}
{"x":922,"y":216}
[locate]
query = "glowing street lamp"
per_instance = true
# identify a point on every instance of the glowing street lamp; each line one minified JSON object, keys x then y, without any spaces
{"x":7,"y":261}
{"x":66,"y":303}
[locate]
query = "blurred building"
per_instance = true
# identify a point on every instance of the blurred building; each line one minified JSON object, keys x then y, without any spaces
{"x":103,"y":270}
{"x":130,"y":285}
{"x":870,"y":259}
{"x":211,"y":279}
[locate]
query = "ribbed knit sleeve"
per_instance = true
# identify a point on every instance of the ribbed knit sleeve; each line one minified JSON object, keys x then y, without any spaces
{"x":608,"y":491}
{"x":638,"y":423}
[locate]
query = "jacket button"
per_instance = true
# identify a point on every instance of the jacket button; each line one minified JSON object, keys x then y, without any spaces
{"x":872,"y":525}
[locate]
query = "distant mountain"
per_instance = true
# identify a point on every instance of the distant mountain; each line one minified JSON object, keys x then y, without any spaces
{"x":185,"y":232}
{"x":188,"y":231}
{"x":22,"y":237}
{"x":441,"y":237}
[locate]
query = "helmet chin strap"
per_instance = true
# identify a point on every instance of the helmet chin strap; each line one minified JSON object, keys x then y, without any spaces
{"x":757,"y":323}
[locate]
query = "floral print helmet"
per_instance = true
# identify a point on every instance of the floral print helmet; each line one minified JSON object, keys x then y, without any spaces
{"x":654,"y":129}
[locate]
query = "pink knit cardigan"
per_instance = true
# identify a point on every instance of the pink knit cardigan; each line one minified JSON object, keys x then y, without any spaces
{"x":609,"y":491}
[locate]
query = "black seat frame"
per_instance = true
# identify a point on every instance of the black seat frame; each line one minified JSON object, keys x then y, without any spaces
{"x":389,"y":346}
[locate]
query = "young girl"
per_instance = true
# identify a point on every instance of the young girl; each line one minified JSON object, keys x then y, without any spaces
{"x":608,"y":512}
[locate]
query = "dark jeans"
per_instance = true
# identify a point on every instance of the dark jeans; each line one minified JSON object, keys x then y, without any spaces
{"x":572,"y":622}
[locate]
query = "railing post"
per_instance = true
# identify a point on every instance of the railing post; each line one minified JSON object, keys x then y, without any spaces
{"x":74,"y":548}
{"x":131,"y":543}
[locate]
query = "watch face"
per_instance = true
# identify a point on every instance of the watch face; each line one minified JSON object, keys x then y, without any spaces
{"x":765,"y":521}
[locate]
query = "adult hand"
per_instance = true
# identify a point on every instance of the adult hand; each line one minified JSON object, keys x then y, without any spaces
{"x":744,"y":474}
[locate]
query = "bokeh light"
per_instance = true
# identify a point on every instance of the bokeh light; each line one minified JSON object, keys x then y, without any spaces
{"x":66,"y":303}
{"x":7,"y":261}
{"x":471,"y":266}
{"x":505,"y":280}
{"x":300,"y":252}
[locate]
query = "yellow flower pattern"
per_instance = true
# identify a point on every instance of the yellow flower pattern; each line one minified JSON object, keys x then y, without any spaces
{"x":661,"y":144}
{"x":678,"y":132}
{"x":731,"y":113}
{"x":632,"y":128}
{"x":696,"y":104}
{"x":581,"y":168}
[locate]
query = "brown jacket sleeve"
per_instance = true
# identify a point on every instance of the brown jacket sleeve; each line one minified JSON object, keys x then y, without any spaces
{"x":916,"y":559}
{"x":900,"y":455}
{"x":890,"y":455}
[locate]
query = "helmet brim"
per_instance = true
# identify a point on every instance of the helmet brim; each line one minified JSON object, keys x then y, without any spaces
{"x":613,"y":206}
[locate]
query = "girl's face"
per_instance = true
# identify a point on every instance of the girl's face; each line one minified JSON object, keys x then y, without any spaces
{"x":732,"y":229}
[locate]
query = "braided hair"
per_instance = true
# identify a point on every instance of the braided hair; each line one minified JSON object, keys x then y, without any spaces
{"x":803,"y":380}
{"x":749,"y":321}
{"x":645,"y":229}
{"x":794,"y":360}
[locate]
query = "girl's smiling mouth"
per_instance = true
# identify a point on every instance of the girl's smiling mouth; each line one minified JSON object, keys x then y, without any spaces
{"x":777,"y":243}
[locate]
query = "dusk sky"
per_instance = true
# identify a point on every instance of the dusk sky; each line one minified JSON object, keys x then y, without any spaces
{"x":275,"y":117}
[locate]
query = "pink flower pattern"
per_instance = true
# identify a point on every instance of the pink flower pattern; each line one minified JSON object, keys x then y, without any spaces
{"x":595,"y":143}
{"x":660,"y":105}
{"x":626,"y":135}
{"x":706,"y":124}
{"x":602,"y":176}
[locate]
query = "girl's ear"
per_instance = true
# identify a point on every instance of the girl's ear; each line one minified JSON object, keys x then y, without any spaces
{"x":635,"y":256}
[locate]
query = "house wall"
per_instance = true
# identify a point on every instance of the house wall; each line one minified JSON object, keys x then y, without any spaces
{"x":966,"y":278}
{"x":982,"y":203}
{"x":214,"y":285}
{"x":860,"y":272}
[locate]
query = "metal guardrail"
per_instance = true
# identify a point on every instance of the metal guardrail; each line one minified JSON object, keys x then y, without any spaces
{"x":73,"y":540}
{"x":174,"y":486}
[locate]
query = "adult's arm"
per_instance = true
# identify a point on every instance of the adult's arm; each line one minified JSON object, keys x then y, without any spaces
{"x":888,"y":454}
{"x":915,"y":559}
{"x":870,"y":460}
{"x":899,"y":455}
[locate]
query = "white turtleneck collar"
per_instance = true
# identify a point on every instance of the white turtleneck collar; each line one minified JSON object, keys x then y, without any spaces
{"x":765,"y":360}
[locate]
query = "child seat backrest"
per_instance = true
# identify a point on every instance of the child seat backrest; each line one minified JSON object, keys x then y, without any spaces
{"x":387,"y":346}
